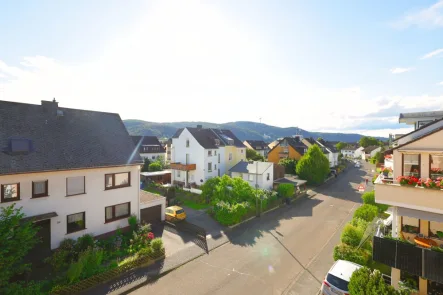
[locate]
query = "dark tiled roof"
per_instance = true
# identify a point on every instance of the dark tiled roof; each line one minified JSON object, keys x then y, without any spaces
{"x":222,"y":133}
{"x":369,"y":149}
{"x":205,"y":137}
{"x":421,"y":114}
{"x":257,"y":145}
{"x":251,"y":168}
{"x":415,"y":139}
{"x":77,"y":139}
{"x":177,"y":133}
{"x":329,"y":145}
{"x":296,"y":144}
{"x":148,"y":144}
{"x":418,"y":129}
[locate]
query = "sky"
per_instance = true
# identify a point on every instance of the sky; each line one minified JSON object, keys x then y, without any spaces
{"x":337,"y":66}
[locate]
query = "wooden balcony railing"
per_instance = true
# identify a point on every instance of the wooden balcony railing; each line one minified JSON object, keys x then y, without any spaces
{"x":183,"y":167}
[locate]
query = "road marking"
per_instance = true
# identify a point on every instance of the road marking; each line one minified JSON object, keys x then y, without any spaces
{"x":305,"y":268}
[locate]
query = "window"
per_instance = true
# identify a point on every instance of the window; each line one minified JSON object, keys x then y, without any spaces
{"x":153,"y":157}
{"x":210,"y":153}
{"x":410,"y":225}
{"x":117,"y":212}
{"x":217,"y":142}
{"x":411,"y":165}
{"x":75,"y":185}
{"x":230,"y":156}
{"x":10,"y":192}
{"x":39,"y":189}
{"x":241,"y":151}
{"x":178,"y":173}
{"x":209,"y":167}
{"x":117,"y":180}
{"x":436,"y":166}
{"x":187,"y":142}
{"x":337,"y":282}
{"x":268,"y":176}
{"x":75,"y":222}
{"x":215,"y":153}
{"x":215,"y":167}
{"x":251,"y":177}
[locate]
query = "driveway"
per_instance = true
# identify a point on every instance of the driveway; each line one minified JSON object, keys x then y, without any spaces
{"x":173,"y":240}
{"x":199,"y":217}
{"x":287,"y":251}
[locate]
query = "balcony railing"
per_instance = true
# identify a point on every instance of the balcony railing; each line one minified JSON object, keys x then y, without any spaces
{"x":183,"y":167}
{"x":409,"y":257}
{"x":390,"y":192}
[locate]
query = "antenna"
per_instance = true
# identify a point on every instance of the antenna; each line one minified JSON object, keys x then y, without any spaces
{"x":260,"y":119}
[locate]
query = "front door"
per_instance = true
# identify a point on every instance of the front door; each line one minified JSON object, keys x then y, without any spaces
{"x":43,"y":248}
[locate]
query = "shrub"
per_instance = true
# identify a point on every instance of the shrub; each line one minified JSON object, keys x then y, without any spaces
{"x":369,"y":198}
{"x":59,"y":260}
{"x":351,"y":235}
{"x":24,"y":288}
{"x":84,"y":242}
{"x":359,"y":223}
{"x":138,"y":242}
{"x":67,"y":244}
{"x":346,"y":252}
{"x":156,"y":166}
{"x":88,"y":264}
{"x":144,"y":228}
{"x":286,"y":190}
{"x":132,"y":221}
{"x":146,"y":252}
{"x":227,"y":214}
{"x":157,"y":246}
{"x":366,"y":212}
{"x":313,"y":166}
{"x":366,"y":282}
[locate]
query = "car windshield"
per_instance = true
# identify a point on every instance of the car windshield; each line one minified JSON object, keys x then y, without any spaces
{"x":337,"y":282}
{"x":180,"y":211}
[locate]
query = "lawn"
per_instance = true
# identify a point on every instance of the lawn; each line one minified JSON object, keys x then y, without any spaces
{"x":152,"y":190}
{"x":194,"y":205}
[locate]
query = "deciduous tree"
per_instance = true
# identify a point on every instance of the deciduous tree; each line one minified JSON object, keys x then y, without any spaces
{"x":289,"y":165}
{"x":341,"y":145}
{"x":253,"y":155}
{"x":313,"y":166}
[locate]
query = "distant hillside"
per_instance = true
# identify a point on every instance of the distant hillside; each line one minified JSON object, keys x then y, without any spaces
{"x":242,"y":129}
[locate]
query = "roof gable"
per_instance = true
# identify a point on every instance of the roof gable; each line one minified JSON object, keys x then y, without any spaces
{"x":63,"y":139}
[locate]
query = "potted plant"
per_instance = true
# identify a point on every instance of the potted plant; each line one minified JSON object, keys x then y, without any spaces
{"x":386,"y":171}
{"x":433,"y":184}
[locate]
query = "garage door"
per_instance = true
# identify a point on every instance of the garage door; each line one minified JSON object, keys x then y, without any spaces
{"x":151,"y":214}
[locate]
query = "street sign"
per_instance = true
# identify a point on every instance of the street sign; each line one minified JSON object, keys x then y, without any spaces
{"x":361,"y":188}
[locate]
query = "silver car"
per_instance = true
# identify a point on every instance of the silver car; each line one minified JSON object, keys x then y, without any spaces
{"x":337,"y":279}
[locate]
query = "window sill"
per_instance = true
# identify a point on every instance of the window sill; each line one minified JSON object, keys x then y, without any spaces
{"x":115,"y":219}
{"x":116,"y":187}
{"x":8,"y":201}
{"x":39,"y":197}
{"x":75,"y":195}
{"x":76,"y":231}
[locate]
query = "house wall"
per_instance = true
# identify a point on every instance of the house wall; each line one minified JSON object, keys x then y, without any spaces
{"x":375,"y":151}
{"x":238,"y":154}
{"x":215,"y":166}
{"x":262,"y":181}
{"x":274,"y":157}
{"x":93,"y":202}
{"x":333,"y":159}
{"x":153,"y":156}
{"x":196,"y":156}
{"x":358,"y":152}
{"x":348,"y":153}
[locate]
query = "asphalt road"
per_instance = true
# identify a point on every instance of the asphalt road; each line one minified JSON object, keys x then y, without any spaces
{"x":287,"y":251}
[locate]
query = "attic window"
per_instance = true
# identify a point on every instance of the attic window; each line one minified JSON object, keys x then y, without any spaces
{"x":230,"y":142}
{"x":217,"y":142}
{"x":20,"y":145}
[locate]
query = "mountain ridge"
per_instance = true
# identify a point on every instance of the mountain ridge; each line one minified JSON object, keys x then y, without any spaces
{"x":242,"y":129}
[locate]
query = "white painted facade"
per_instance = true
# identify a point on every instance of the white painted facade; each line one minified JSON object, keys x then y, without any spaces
{"x":358,"y":152}
{"x":348,"y":153}
{"x":218,"y":159}
{"x":92,"y":202}
{"x":153,"y":156}
{"x":333,"y":159}
{"x":264,"y":181}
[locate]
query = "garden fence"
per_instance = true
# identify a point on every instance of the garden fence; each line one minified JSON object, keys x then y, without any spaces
{"x":107,"y":275}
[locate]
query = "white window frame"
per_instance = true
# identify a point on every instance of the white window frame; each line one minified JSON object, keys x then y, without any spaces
{"x":251,"y":177}
{"x":209,"y":166}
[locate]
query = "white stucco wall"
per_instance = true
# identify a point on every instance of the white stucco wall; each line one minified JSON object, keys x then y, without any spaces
{"x":93,"y":202}
{"x":262,"y":181}
{"x":358,"y":152}
{"x":153,"y":156}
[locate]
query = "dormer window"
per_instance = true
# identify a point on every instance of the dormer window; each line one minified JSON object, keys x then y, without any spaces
{"x":19,"y":146}
{"x":217,"y":142}
{"x":230,"y":142}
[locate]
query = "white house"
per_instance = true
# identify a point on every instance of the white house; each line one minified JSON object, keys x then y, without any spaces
{"x":349,"y":152}
{"x":73,"y":171}
{"x":257,"y":145}
{"x":358,"y":152}
{"x":198,"y":154}
{"x":370,"y":152}
{"x":328,"y":149}
{"x":389,"y":162}
{"x":150,"y":147}
{"x":256,"y":173}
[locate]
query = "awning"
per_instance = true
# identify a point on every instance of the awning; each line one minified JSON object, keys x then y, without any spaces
{"x":420,"y":214}
{"x":40,"y":217}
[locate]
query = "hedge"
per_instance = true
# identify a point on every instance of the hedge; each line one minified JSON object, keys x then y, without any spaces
{"x":349,"y":253}
{"x":366,"y":212}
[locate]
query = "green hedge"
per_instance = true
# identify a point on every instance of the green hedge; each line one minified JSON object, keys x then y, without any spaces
{"x":227,"y":214}
{"x":351,"y":235}
{"x":346,"y":252}
{"x":366,"y":212}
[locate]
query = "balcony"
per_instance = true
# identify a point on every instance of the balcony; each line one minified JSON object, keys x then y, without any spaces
{"x":408,"y":257}
{"x":419,"y":198}
{"x":283,"y":154}
{"x":183,"y":167}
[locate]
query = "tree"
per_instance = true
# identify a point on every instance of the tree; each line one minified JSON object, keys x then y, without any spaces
{"x":340,"y":157}
{"x":146,"y":163}
{"x":366,"y":282}
{"x":379,"y":158}
{"x":253,"y":155}
{"x":155,"y":166}
{"x":341,"y":145}
{"x":289,"y":165}
{"x":319,"y":139}
{"x":286,"y":190}
{"x":366,"y":141}
{"x":313,"y":166}
{"x":17,"y":237}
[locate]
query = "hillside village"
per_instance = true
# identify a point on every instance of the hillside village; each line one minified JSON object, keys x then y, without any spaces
{"x":77,"y":178}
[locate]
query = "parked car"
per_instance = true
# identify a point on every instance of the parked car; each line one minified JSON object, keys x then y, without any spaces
{"x":337,"y":279}
{"x":357,"y":165}
{"x":175,"y":213}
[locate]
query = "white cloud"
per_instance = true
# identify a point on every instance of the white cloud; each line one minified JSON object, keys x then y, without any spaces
{"x":440,"y":83}
{"x":400,"y":70}
{"x":430,"y":17}
{"x":432,"y":53}
{"x":170,"y":67}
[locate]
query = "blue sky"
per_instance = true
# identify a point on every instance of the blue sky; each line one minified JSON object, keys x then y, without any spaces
{"x":348,"y":66}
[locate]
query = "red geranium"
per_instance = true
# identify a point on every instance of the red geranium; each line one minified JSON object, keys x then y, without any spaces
{"x":150,"y":236}
{"x":408,"y":180}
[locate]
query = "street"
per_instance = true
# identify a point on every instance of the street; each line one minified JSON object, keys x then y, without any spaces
{"x":286,"y":251}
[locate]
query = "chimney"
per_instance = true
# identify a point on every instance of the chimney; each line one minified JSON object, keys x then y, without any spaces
{"x":199,"y":126}
{"x":50,"y":106}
